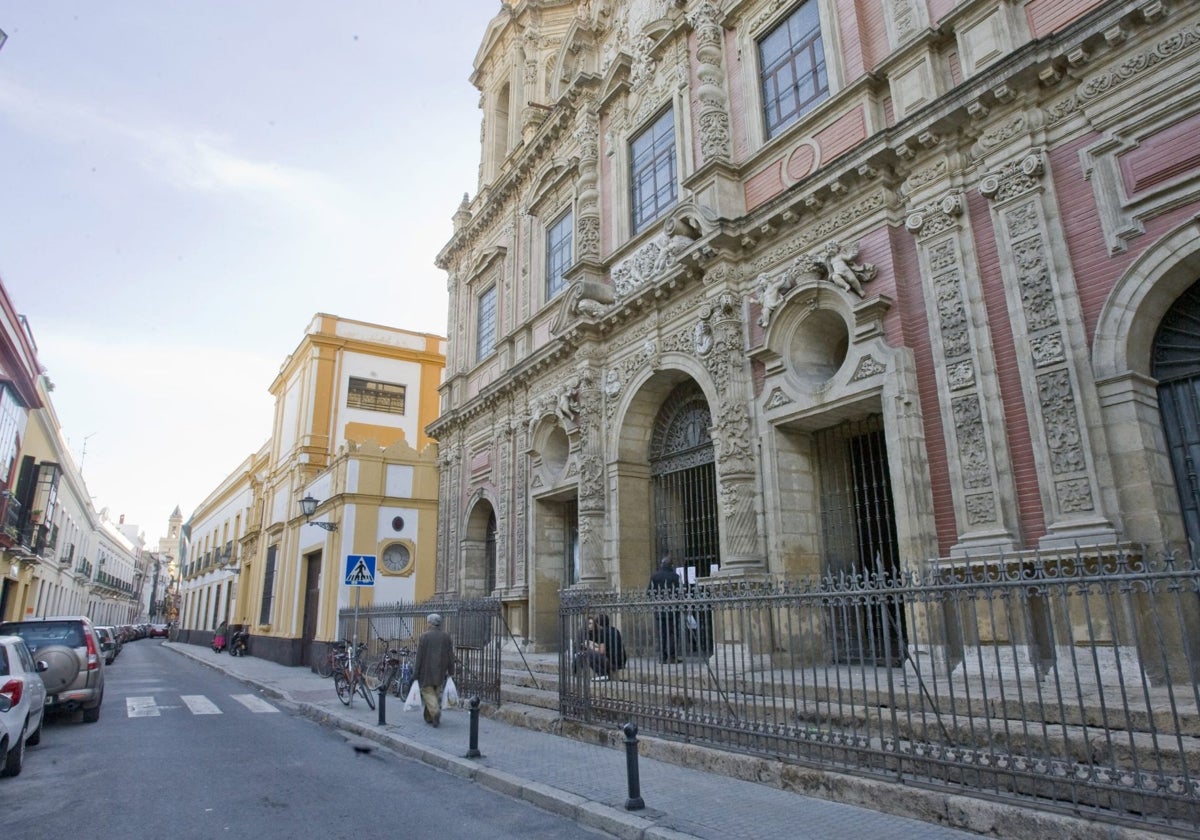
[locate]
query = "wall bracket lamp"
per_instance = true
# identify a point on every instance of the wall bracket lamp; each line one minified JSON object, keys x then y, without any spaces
{"x":309,"y":506}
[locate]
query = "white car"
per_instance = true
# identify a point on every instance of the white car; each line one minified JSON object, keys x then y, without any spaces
{"x":22,"y":702}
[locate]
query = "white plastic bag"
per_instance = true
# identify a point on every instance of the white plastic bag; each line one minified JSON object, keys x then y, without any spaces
{"x":413,"y":700}
{"x":450,"y":693}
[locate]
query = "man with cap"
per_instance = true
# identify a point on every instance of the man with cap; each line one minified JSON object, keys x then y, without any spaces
{"x":435,"y":662}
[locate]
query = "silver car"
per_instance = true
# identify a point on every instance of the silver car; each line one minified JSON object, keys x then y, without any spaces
{"x":74,"y":674}
{"x":22,"y":703}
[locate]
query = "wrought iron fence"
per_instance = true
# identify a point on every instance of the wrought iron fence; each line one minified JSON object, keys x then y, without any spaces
{"x":474,"y":625}
{"x":1067,"y":681}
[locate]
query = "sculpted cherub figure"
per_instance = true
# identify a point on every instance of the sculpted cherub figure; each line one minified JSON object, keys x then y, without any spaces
{"x":770,"y":294}
{"x":844,"y":271}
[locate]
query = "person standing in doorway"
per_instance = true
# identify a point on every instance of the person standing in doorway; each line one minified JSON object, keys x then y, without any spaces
{"x":664,"y":584}
{"x":435,"y":662}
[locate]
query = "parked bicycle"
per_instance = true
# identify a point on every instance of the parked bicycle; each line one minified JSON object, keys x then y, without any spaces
{"x":350,"y":677}
{"x":329,"y":662}
{"x":393,"y":670}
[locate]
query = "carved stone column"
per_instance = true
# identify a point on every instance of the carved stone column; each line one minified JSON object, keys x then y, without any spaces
{"x":976,"y":446}
{"x":502,"y":444}
{"x":713,"y":117}
{"x":449,"y":459}
{"x":1052,"y":355}
{"x":589,"y":421}
{"x":587,"y":220}
{"x":719,"y":344}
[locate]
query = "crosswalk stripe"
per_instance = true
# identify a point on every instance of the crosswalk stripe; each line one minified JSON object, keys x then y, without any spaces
{"x":141,"y":707}
{"x":200,"y":705}
{"x":254,"y":703}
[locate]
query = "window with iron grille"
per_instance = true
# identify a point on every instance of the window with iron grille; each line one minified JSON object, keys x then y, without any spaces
{"x":652,"y":170}
{"x":264,"y":613}
{"x":485,"y":325}
{"x":792,"y":63}
{"x":558,"y":254}
{"x":375,"y":396}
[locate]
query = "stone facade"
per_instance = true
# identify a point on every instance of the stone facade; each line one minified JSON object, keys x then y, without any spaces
{"x":935,"y":282}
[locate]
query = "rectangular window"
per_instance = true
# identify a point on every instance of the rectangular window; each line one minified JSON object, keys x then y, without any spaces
{"x":558,"y":254}
{"x":571,"y":570}
{"x":485,"y":325}
{"x":375,"y":396}
{"x":792,"y":63}
{"x":652,"y":171}
{"x":264,"y":614}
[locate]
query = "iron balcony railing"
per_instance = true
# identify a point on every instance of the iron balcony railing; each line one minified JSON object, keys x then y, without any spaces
{"x":1066,"y":681}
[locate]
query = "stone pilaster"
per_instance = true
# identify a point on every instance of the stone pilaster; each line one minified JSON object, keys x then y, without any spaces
{"x":976,"y":447}
{"x":1052,"y":354}
{"x":720,"y":346}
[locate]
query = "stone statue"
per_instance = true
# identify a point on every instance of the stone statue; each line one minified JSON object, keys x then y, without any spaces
{"x":844,"y":271}
{"x":770,"y":294}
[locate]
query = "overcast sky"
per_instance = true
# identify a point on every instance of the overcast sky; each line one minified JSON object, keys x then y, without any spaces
{"x":187,"y":182}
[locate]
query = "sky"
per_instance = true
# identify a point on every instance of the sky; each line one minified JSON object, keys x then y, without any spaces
{"x":186,"y":183}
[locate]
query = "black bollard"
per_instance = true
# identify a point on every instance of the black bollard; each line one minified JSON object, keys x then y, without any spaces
{"x":634,"y":802}
{"x":473,"y":749}
{"x":383,"y":704}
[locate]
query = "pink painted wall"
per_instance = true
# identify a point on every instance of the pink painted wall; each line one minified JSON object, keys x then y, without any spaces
{"x":737,"y":101}
{"x":1170,"y":153}
{"x":1046,"y":16}
{"x":938,"y":9}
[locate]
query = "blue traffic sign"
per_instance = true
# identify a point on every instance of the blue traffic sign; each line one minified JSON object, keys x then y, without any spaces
{"x":360,"y":570}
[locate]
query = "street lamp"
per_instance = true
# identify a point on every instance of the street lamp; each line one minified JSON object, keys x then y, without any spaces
{"x":309,"y":506}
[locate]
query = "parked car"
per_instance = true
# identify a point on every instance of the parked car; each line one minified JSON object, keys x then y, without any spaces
{"x":108,"y":644}
{"x":158,"y":631}
{"x":74,"y":674}
{"x":22,"y":702}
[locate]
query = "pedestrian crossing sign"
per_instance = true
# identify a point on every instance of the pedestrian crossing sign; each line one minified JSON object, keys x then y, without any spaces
{"x":360,"y":570}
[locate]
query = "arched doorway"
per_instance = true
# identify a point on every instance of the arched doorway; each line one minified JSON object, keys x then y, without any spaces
{"x":683,"y":475}
{"x":1175,"y":363}
{"x":479,"y":552}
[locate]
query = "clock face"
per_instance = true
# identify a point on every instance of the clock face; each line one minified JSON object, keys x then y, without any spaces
{"x":395,"y":558}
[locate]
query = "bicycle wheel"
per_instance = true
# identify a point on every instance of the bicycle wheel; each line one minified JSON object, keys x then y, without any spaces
{"x":367,"y":693}
{"x":375,"y":674}
{"x":341,"y":684}
{"x":325,"y":665}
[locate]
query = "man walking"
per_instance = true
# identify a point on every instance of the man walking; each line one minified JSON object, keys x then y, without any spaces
{"x":435,"y":662}
{"x":664,"y":583}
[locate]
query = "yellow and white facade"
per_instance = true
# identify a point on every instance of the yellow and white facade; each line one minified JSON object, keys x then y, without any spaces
{"x":351,"y":406}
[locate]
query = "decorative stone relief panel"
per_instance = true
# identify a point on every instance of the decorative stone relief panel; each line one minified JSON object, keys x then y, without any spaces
{"x":1037,"y":302}
{"x":974,"y":428}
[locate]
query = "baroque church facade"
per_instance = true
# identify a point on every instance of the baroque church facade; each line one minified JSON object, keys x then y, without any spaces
{"x":782,"y":288}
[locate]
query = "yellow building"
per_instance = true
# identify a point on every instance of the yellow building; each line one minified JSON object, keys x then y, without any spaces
{"x":351,"y":405}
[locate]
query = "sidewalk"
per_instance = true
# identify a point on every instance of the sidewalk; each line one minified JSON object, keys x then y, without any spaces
{"x":586,"y":782}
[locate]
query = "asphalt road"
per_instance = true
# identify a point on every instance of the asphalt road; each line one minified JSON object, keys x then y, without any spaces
{"x":181,"y":751}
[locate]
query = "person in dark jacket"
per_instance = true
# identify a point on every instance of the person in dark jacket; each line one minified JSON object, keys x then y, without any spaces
{"x":664,"y":583}
{"x":435,"y":662}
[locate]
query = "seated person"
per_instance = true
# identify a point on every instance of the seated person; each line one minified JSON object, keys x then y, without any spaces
{"x":602,"y":648}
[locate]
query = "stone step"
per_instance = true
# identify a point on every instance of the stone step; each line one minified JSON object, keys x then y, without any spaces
{"x":527,"y":696}
{"x":533,"y":717}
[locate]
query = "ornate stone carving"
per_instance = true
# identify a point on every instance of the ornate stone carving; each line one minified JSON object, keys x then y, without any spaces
{"x":1061,"y":421}
{"x":655,"y":256}
{"x":842,"y":268}
{"x":1014,"y":180}
{"x":972,"y":449}
{"x":835,"y":262}
{"x":1168,"y":48}
{"x":777,"y":399}
{"x":827,"y":225}
{"x":868,"y":366}
{"x":714,"y":115}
